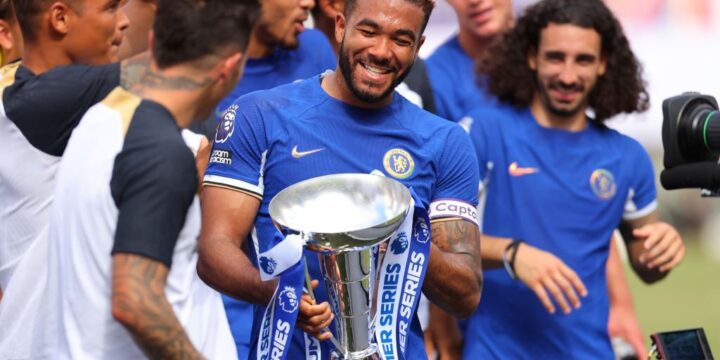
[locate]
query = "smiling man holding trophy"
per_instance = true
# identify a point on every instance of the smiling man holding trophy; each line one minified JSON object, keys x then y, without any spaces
{"x":281,"y":145}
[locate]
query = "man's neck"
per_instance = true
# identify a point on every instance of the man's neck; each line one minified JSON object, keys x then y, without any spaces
{"x":573,"y":123}
{"x":473,"y":45}
{"x":42,"y":56}
{"x":179,"y":91}
{"x":334,"y":84}
{"x":257,"y":49}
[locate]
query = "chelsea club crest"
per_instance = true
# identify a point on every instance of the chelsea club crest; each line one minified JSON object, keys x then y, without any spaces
{"x":226,"y":127}
{"x":603,"y":184}
{"x":398,"y":163}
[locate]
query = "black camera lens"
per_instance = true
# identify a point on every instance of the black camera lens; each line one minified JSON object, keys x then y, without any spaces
{"x":699,"y":131}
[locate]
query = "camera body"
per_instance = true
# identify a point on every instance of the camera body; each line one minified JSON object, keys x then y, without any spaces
{"x":691,"y":140}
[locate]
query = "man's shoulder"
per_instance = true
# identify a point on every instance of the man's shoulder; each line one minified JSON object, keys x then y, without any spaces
{"x":309,"y":40}
{"x":442,"y":57}
{"x":288,"y":98}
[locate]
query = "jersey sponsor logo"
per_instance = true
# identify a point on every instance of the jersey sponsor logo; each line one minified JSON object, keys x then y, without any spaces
{"x":399,"y":163}
{"x":301,"y":154}
{"x":288,"y":300}
{"x":515,"y":170}
{"x":268,"y":265}
{"x":226,"y":127}
{"x":223,"y":157}
{"x":603,"y":184}
{"x":400,"y":244}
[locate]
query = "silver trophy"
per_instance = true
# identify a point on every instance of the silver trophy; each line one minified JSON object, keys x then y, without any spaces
{"x":343,"y":217}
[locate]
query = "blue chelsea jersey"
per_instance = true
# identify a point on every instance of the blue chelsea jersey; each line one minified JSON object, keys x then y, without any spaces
{"x":456,"y":88}
{"x":272,"y":139}
{"x":563,"y":192}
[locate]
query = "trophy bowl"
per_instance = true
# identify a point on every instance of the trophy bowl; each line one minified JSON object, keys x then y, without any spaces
{"x":343,"y":217}
{"x":343,"y":212}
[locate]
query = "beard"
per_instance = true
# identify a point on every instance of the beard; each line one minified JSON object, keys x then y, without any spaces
{"x":366,"y":96}
{"x":551,"y":107}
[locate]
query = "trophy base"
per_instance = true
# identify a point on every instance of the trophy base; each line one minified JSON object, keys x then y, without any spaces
{"x":367,"y":354}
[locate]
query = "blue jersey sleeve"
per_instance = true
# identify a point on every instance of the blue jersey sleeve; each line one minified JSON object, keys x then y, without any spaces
{"x":641,"y":199}
{"x":239,"y":149}
{"x":456,"y":190}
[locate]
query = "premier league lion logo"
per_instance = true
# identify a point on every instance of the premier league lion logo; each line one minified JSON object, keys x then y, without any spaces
{"x":422,"y":233}
{"x":400,"y":244}
{"x":288,"y":300}
{"x":268,"y":265}
{"x":227,"y":125}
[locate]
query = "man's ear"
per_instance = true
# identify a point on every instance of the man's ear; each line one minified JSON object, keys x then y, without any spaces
{"x":330,"y":8}
{"x":340,"y":23}
{"x":532,"y":59}
{"x":60,"y":14}
{"x":603,"y":65}
{"x":229,"y":66}
{"x":6,"y":37}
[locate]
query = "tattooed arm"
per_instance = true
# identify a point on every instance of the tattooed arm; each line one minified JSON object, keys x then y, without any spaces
{"x":139,"y":303}
{"x":454,"y":275}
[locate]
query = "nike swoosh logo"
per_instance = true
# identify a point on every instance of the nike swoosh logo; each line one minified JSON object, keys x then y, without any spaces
{"x":300,"y":154}
{"x":515,"y":170}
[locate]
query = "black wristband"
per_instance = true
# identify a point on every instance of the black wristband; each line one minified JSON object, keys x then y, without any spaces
{"x":509,"y":261}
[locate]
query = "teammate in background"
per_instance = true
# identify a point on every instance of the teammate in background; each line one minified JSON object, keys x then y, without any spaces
{"x":40,"y":108}
{"x":142,"y":13}
{"x":280,"y":52}
{"x":134,"y":196}
{"x":481,"y":22}
{"x":457,"y":92}
{"x":349,"y":120}
{"x":558,"y":182}
{"x":416,"y":86}
{"x":11,"y":44}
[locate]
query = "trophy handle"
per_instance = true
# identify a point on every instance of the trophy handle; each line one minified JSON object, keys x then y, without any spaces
{"x":308,"y":285}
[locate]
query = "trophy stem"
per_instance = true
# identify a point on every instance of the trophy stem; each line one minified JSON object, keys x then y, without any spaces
{"x":349,"y":278}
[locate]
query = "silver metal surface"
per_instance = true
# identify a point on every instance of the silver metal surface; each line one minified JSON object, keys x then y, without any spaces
{"x":342,"y":212}
{"x":343,"y":216}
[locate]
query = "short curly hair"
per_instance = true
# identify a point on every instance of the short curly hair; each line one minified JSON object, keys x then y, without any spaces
{"x":427,"y":7}
{"x":620,"y":89}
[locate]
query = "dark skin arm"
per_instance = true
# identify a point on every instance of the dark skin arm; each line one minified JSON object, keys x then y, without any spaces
{"x":228,"y":216}
{"x":454,"y":274}
{"x":654,"y":247}
{"x":139,"y":304}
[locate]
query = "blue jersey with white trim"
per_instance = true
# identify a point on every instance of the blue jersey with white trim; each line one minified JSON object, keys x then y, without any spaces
{"x":272,"y":139}
{"x":456,"y":90}
{"x":563,"y":192}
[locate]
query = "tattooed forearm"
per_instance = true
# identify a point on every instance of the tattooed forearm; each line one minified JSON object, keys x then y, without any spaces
{"x":139,"y":303}
{"x":454,"y":275}
{"x":457,"y":237}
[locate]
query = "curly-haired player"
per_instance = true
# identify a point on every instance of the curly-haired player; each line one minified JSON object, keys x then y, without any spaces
{"x":557,"y":182}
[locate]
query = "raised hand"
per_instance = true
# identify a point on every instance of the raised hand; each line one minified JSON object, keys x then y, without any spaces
{"x":663,"y":246}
